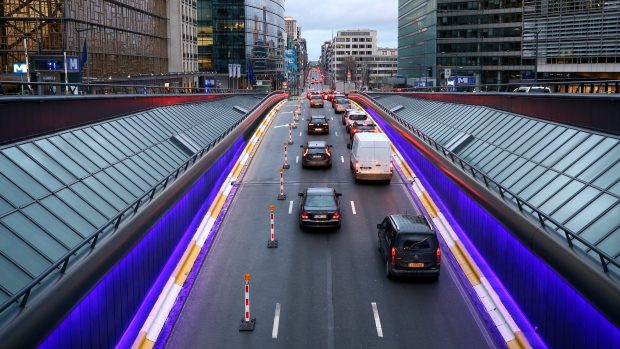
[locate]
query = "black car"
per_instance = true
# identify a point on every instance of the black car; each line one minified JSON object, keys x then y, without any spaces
{"x":317,"y":124}
{"x":409,"y":246}
{"x":319,"y":207}
{"x":361,"y":126}
{"x":316,"y":154}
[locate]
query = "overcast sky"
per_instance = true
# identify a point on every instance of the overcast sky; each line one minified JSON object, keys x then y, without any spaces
{"x":318,"y":18}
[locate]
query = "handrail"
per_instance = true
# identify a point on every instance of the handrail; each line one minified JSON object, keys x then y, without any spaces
{"x":505,"y":193}
{"x":103,"y":88}
{"x":63,"y":262}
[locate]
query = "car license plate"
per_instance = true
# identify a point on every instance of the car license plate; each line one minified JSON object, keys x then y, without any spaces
{"x":318,"y":129}
{"x":416,"y":265}
{"x":320,"y":216}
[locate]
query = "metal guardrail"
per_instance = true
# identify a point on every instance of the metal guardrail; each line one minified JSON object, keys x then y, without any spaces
{"x":21,"y":88}
{"x":491,"y":184}
{"x":23,"y":295}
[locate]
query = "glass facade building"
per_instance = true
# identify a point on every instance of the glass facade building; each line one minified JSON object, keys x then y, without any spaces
{"x":127,"y":37}
{"x":250,"y":33}
{"x":573,"y":39}
{"x":471,"y":38}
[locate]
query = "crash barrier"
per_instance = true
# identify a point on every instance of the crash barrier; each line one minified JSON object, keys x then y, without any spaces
{"x":106,"y":290}
{"x":553,"y":288}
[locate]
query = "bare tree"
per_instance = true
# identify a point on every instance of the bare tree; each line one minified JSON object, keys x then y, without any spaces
{"x":348,"y":65}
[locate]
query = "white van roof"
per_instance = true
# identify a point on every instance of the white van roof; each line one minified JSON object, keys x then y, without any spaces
{"x":371,"y":137}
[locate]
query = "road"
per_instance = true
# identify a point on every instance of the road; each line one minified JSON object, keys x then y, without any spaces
{"x":325,"y":282}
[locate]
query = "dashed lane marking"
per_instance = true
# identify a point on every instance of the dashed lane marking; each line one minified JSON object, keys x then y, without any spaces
{"x":375,"y":313}
{"x":353,"y":207}
{"x":276,"y":321}
{"x":290,"y":207}
{"x":342,"y":158}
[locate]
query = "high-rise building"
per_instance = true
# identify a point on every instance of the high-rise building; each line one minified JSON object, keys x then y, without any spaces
{"x":480,"y":39}
{"x":111,"y":39}
{"x":182,"y":36}
{"x":250,"y":33}
{"x":347,"y":46}
{"x":291,"y":27}
{"x":573,"y":39}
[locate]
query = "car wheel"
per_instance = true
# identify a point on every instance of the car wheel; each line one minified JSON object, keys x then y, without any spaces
{"x":435,"y":278}
{"x":388,"y":269}
{"x":387,"y":181}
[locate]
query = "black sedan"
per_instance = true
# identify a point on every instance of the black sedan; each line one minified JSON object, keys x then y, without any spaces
{"x":319,"y":207}
{"x":316,"y":154}
{"x":317,"y":124}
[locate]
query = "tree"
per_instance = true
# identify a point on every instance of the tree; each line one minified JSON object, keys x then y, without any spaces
{"x":348,"y":65}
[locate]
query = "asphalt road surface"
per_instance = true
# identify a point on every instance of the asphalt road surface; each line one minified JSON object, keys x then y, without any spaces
{"x":329,"y":286}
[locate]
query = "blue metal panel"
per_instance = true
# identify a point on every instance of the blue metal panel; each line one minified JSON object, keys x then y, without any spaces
{"x":118,"y":306}
{"x":542,"y":303}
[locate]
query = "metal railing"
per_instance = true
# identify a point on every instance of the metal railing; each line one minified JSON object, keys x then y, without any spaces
{"x":576,"y":87}
{"x":61,"y":265}
{"x":21,"y":88}
{"x":545,"y":221}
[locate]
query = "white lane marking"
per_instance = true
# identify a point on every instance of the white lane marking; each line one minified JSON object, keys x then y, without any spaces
{"x":332,"y":118}
{"x":353,"y":207}
{"x":302,"y":119}
{"x":290,"y":207}
{"x":377,"y":320}
{"x":276,"y":321}
{"x":336,"y":133}
{"x":342,"y":158}
{"x":299,"y":134}
{"x":287,"y":112}
{"x":297,"y":159}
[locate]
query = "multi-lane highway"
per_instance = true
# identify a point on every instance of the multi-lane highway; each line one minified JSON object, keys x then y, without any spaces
{"x":329,"y":286}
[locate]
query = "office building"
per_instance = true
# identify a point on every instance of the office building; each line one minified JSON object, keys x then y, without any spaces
{"x":121,"y":39}
{"x":250,"y":33}
{"x":346,"y":47}
{"x":182,"y":40}
{"x":291,"y":28}
{"x":478,"y":39}
{"x":572,"y":40}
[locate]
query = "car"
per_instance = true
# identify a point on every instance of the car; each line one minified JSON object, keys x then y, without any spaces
{"x":320,"y":207}
{"x":354,"y":115}
{"x":409,"y":246}
{"x":371,"y":157}
{"x":336,"y":96}
{"x":341,"y":105}
{"x":316,"y":101}
{"x":317,"y":124}
{"x":316,"y":154}
{"x":346,"y":114}
{"x":361,"y":126}
{"x":533,"y":89}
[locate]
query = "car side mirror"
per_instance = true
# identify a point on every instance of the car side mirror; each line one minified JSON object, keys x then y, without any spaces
{"x":300,"y":194}
{"x":301,"y":146}
{"x":380,"y":226}
{"x":338,"y":194}
{"x":349,"y":146}
{"x":331,"y":146}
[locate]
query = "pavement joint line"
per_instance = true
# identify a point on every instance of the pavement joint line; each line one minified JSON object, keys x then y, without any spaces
{"x":158,"y":315}
{"x":508,"y":329}
{"x":276,"y":321}
{"x":375,"y":313}
{"x":353,"y":207}
{"x":290,"y":207}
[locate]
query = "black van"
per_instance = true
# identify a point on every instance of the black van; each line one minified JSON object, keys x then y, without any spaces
{"x":409,"y":246}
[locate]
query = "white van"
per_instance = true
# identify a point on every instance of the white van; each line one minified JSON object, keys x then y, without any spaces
{"x":371,"y":157}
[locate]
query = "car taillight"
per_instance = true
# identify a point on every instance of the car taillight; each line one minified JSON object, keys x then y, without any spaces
{"x":393,"y":255}
{"x":357,"y":166}
{"x":304,"y":215}
{"x":391,"y":166}
{"x":438,"y":256}
{"x":310,"y":124}
{"x":354,"y":130}
{"x":305,"y":152}
{"x":328,"y":152}
{"x":336,"y":215}
{"x":324,"y":124}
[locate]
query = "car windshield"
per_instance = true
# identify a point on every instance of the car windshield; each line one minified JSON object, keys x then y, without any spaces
{"x":365,"y":127}
{"x":316,"y":150}
{"x":416,"y":242}
{"x":324,"y":202}
{"x":317,"y":120}
{"x":357,"y":117}
{"x":316,"y":96}
{"x":342,"y":101}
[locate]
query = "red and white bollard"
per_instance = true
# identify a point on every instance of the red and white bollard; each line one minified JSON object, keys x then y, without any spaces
{"x":272,"y":242}
{"x":290,"y":134}
{"x":281,"y":196}
{"x":286,"y":164}
{"x":247,"y":323}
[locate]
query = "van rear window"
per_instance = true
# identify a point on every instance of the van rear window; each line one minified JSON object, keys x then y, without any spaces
{"x":417,"y":242}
